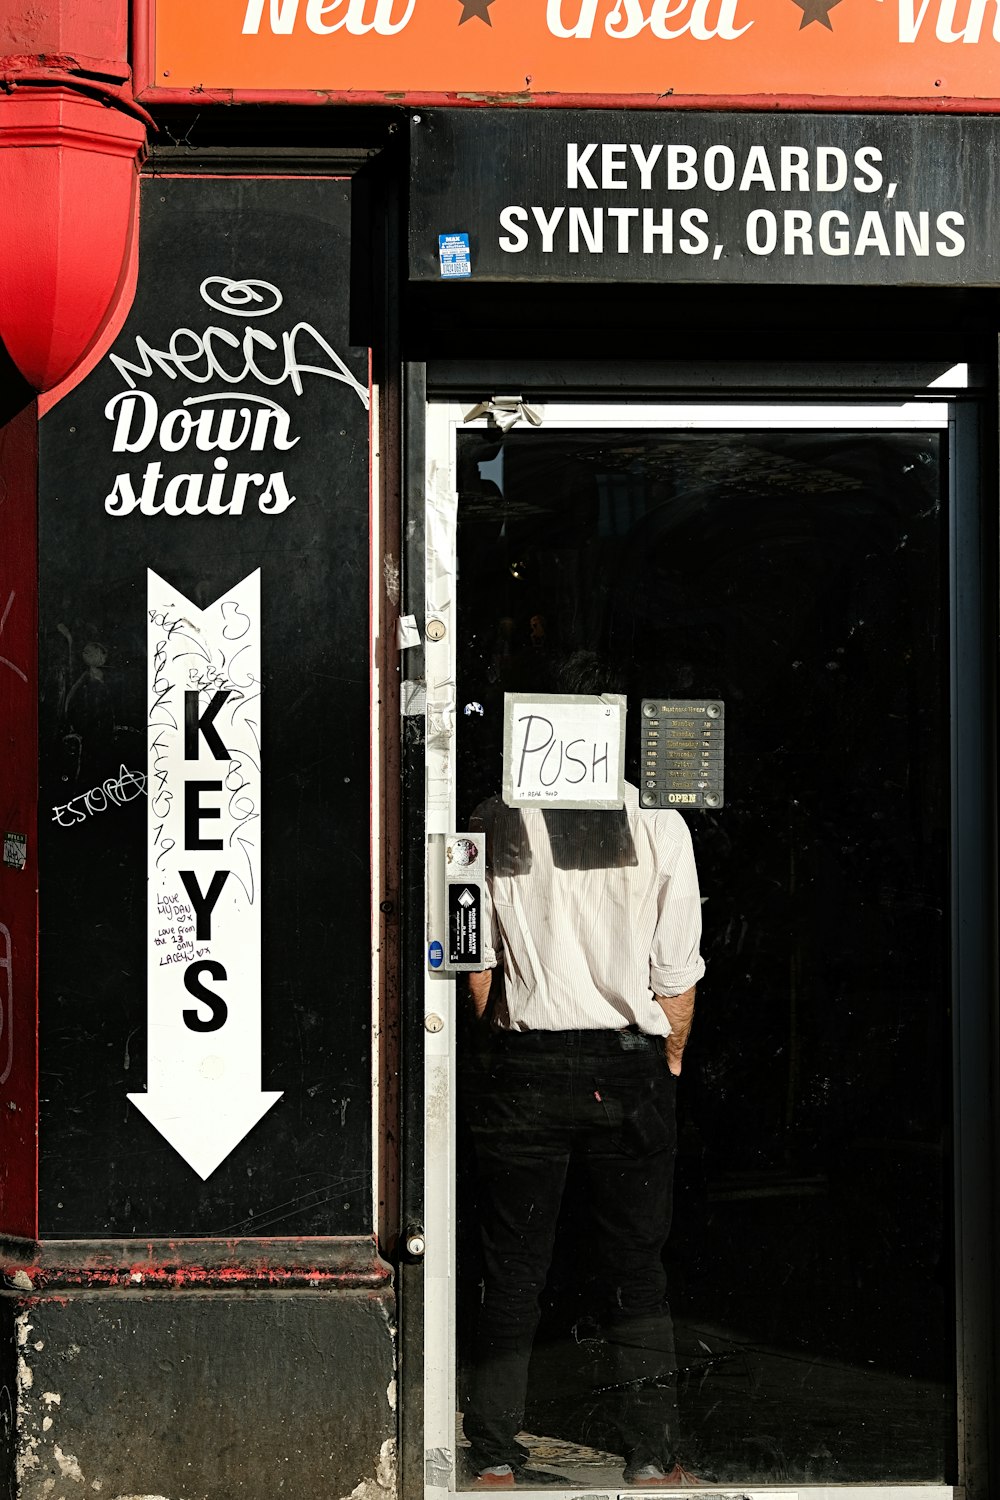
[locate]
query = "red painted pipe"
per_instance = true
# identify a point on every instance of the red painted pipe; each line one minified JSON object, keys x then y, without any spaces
{"x":72,"y":139}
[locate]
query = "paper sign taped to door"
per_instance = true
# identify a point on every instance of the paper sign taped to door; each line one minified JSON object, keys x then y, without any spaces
{"x":564,"y":750}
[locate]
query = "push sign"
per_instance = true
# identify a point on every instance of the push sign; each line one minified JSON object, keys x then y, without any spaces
{"x":464,"y":874}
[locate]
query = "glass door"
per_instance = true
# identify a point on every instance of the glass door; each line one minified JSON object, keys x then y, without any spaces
{"x":789,"y":566}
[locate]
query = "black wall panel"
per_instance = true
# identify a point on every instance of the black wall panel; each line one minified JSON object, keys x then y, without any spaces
{"x":306,"y":1167}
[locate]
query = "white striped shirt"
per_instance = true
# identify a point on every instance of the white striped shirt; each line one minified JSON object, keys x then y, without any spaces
{"x":588,"y":948}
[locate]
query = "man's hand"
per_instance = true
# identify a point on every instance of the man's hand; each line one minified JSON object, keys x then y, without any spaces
{"x":679,"y":1011}
{"x":479,"y":990}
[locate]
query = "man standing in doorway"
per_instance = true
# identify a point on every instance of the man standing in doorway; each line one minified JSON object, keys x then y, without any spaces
{"x":595,"y":921}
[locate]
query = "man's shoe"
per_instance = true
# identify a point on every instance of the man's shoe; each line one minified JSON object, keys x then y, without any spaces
{"x":652,"y":1477}
{"x":503,"y":1477}
{"x":496,"y":1477}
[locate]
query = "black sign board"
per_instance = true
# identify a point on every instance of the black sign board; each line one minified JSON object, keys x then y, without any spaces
{"x":740,"y":198}
{"x":682,"y":753}
{"x":203,"y":655}
{"x":465,"y":923}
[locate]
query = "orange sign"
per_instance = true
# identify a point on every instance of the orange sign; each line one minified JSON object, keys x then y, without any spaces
{"x":942,"y":53}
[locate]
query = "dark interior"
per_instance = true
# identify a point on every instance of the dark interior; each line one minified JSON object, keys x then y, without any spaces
{"x":799,"y":576}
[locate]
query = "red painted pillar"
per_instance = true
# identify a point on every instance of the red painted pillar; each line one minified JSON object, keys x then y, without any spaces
{"x":18,"y":802}
{"x":71,"y":142}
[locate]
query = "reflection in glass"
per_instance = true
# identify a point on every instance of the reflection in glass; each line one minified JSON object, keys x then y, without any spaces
{"x":798,"y":577}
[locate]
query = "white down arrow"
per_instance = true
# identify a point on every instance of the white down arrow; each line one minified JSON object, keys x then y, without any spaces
{"x":203,"y":913}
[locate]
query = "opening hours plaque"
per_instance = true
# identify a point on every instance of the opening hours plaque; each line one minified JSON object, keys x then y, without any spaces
{"x":681,"y":755}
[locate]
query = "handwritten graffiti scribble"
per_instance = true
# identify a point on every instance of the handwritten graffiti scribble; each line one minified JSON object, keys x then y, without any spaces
{"x":117,"y":790}
{"x":6,"y":1003}
{"x":3,"y":620}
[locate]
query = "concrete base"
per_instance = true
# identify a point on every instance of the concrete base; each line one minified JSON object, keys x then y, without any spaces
{"x":197,"y":1395}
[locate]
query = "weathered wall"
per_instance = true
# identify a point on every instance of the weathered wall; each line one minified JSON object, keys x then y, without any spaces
{"x":200,"y":1395}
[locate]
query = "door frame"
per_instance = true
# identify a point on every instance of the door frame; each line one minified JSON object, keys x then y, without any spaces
{"x":937,"y":397}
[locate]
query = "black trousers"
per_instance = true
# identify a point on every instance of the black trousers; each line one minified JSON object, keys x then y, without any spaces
{"x":604,"y":1099}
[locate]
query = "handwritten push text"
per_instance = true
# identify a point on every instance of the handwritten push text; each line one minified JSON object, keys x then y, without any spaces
{"x":563,"y":751}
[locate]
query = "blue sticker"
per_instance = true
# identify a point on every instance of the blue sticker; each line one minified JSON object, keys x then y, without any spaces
{"x":456,"y":259}
{"x":435,"y":955}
